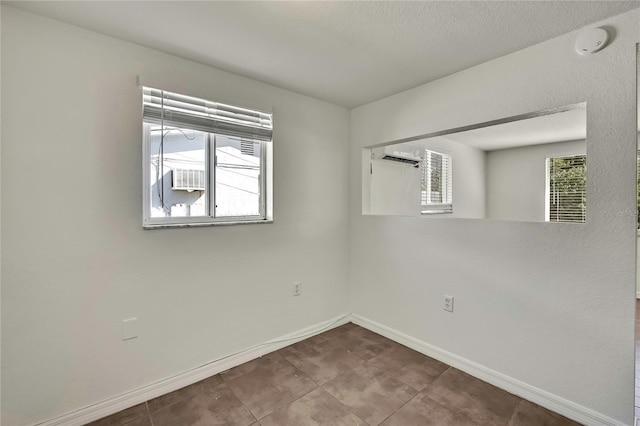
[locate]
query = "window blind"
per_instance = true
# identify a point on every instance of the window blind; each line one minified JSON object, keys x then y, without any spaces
{"x":436,"y":183}
{"x":177,"y":110}
{"x":567,"y":187}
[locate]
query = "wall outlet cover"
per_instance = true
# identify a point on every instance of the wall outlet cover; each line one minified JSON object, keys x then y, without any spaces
{"x":297,"y":288}
{"x":448,"y":303}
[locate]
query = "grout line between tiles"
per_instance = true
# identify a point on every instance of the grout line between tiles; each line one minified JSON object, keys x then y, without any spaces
{"x":285,"y":406}
{"x":399,"y":408}
{"x":300,"y":370}
{"x":241,"y":401}
{"x":347,"y":408}
{"x":149,"y":412}
{"x":515,"y":410}
{"x":460,"y":413}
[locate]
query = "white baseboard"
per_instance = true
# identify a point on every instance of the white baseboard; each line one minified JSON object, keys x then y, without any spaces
{"x":121,"y":402}
{"x":543,"y":398}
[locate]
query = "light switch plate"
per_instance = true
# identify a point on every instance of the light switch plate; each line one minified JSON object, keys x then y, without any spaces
{"x":130,"y":328}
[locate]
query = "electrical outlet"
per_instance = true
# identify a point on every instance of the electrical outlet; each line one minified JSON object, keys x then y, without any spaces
{"x":297,"y":288}
{"x":448,"y":303}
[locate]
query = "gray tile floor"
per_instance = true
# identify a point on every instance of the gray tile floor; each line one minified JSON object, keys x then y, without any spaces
{"x":347,"y":376}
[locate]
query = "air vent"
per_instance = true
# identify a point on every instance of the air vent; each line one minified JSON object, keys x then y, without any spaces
{"x":409,"y":161}
{"x":188,"y":180}
{"x":246,"y":147}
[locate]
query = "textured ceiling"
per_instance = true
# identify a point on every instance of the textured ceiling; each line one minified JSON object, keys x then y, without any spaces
{"x":348,"y":53}
{"x":570,"y":125}
{"x":559,"y":127}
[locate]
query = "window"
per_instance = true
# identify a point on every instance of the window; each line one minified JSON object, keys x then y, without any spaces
{"x":436,"y":188}
{"x":566,"y":184}
{"x":204,"y":162}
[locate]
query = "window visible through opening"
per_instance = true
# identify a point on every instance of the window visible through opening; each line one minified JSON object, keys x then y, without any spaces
{"x":566,"y":189}
{"x":436,"y":185}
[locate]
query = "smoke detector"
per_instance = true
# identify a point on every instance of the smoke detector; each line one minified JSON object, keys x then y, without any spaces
{"x":591,"y":41}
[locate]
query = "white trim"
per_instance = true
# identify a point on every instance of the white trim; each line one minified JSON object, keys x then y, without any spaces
{"x":543,"y":398}
{"x":121,"y":402}
{"x":200,"y":224}
{"x":637,"y":294}
{"x":569,"y":409}
{"x":210,"y":219}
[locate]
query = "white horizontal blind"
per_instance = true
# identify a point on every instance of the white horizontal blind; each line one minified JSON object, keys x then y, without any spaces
{"x":567,"y":188}
{"x":173,"y":109}
{"x":436,"y":183}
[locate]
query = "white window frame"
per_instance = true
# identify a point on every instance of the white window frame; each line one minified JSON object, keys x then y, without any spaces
{"x":266,"y":187}
{"x":547,"y":213}
{"x":427,"y":206}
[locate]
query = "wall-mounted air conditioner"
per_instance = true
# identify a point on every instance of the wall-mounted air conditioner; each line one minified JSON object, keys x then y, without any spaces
{"x":188,"y":180}
{"x":391,"y":153}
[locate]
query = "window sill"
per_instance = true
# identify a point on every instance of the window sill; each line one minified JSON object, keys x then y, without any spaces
{"x":430,"y":212}
{"x":201,"y":224}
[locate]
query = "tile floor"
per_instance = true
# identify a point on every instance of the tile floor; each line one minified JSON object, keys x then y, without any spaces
{"x":347,"y":376}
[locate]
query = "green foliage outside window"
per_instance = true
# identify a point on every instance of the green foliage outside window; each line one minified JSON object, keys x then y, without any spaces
{"x":567,"y":185}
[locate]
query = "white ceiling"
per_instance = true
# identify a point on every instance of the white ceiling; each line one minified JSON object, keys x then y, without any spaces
{"x":570,"y":125}
{"x":346,"y":52}
{"x":559,"y":127}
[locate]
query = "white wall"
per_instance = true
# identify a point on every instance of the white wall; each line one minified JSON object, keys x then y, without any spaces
{"x":516,"y":179}
{"x":395,"y":188}
{"x":637,"y":271}
{"x":468,"y":181}
{"x":551,"y":305}
{"x":74,"y":265}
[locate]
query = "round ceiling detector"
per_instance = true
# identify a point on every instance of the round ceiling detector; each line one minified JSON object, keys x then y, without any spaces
{"x":590,"y":41}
